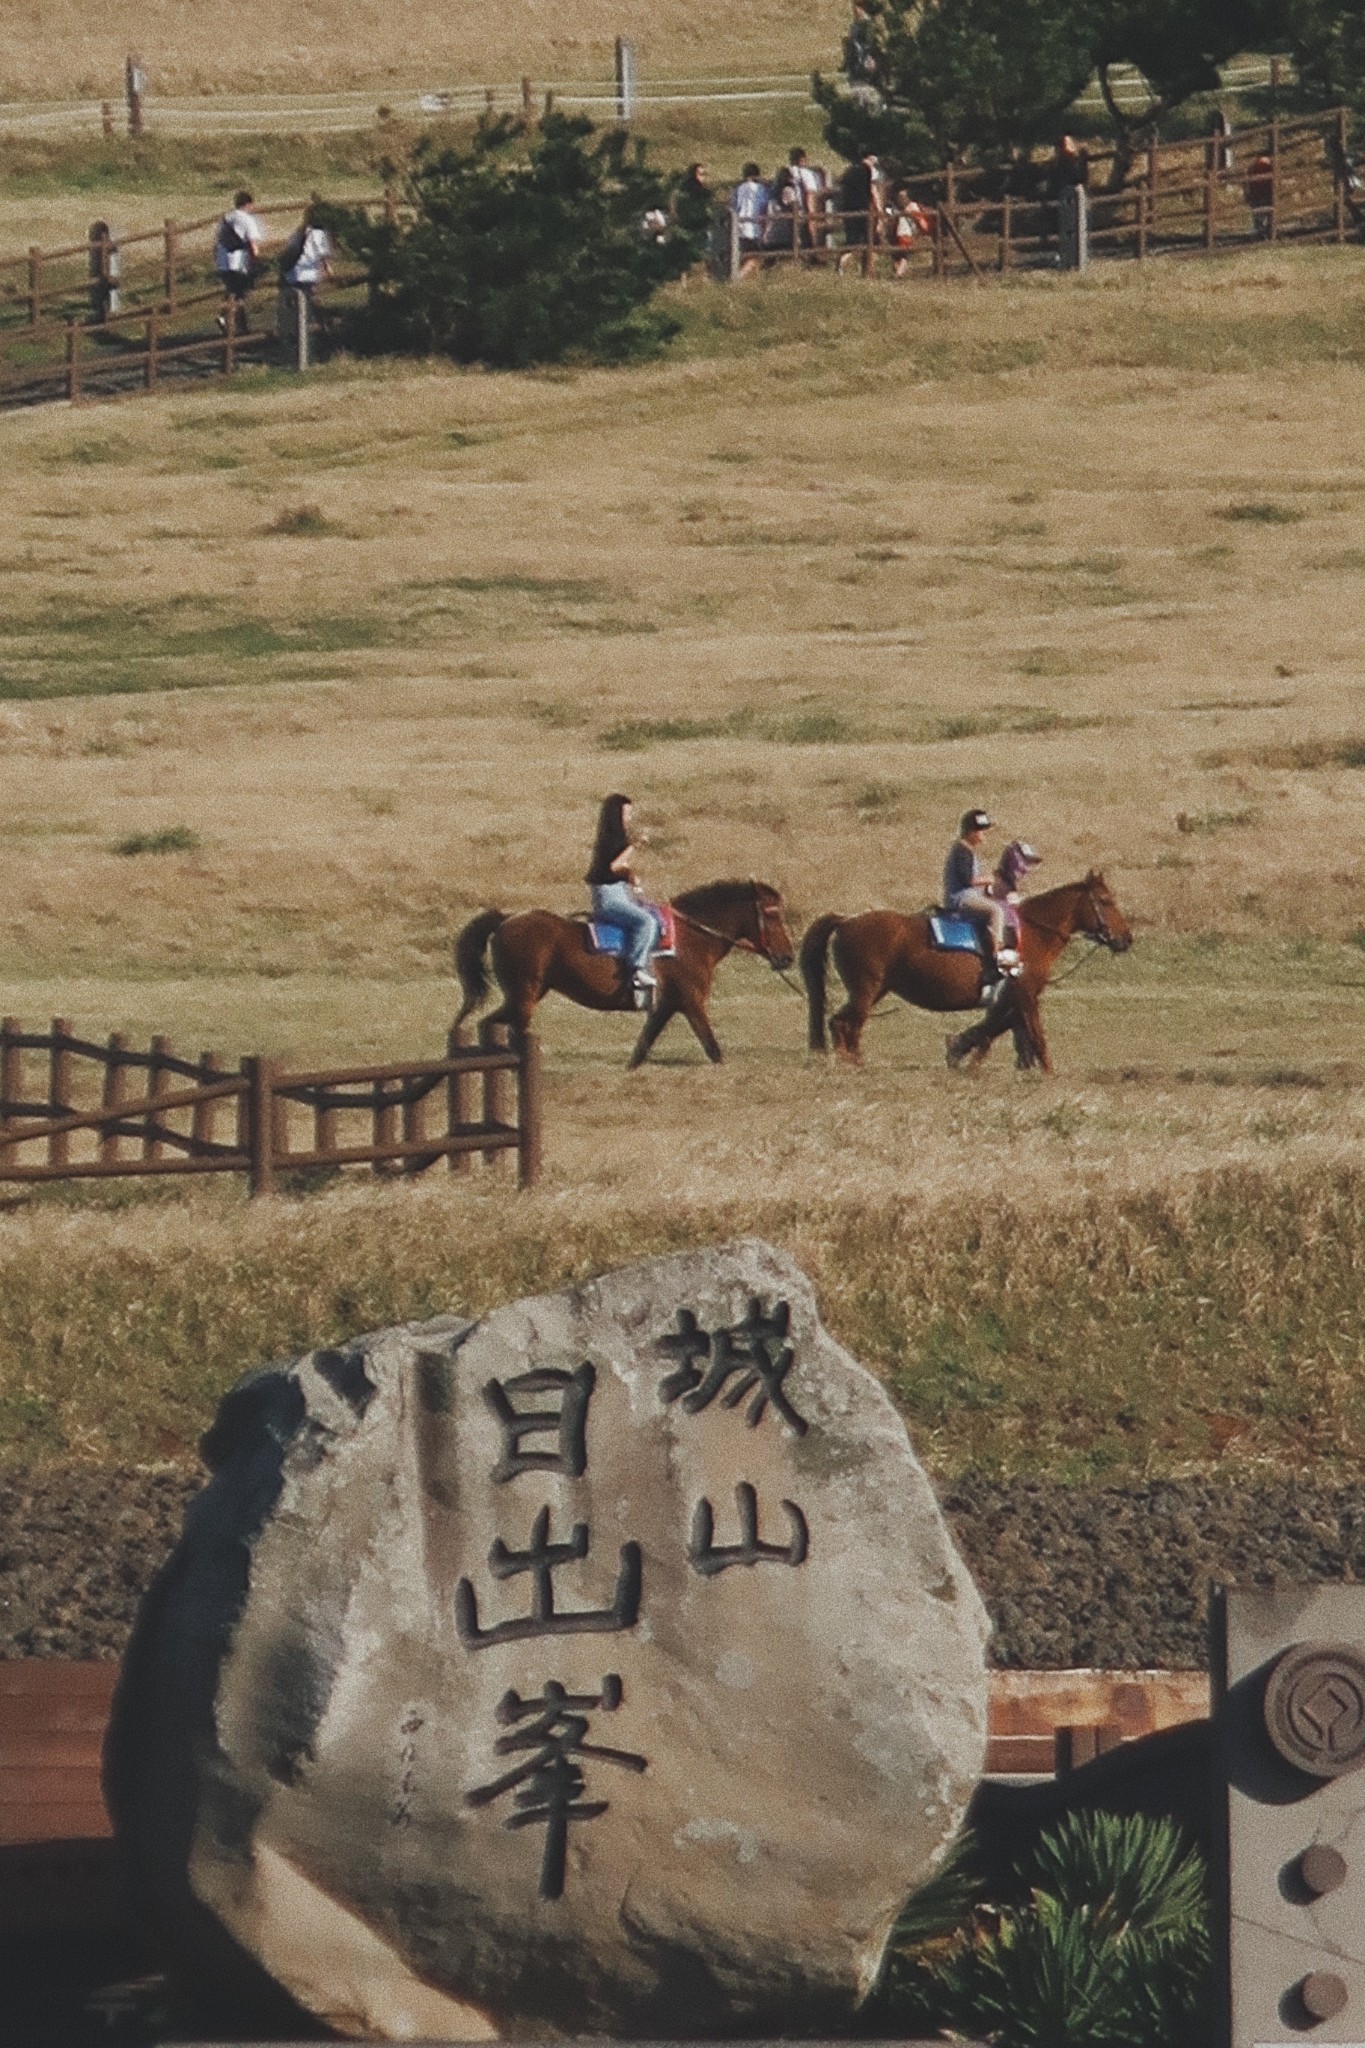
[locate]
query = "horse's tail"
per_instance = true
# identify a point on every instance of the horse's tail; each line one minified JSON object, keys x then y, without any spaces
{"x":813,"y":949}
{"x":470,"y":949}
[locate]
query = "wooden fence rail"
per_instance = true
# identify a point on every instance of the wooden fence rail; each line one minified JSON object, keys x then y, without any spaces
{"x":107,"y":1110}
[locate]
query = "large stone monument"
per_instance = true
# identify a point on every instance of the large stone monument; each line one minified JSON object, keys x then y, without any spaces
{"x":604,"y":1665}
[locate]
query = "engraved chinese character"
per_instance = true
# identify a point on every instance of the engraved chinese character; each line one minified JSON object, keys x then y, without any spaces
{"x":708,"y":1557}
{"x":564,"y":1420}
{"x":541,"y":1560}
{"x":754,"y":1354}
{"x":549,"y":1785}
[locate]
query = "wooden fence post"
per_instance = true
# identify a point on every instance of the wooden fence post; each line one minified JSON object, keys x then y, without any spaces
{"x":1210,"y":199}
{"x":1005,"y":224}
{"x":170,"y":260}
{"x":414,"y":1125}
{"x":324,"y":1127}
{"x":158,"y":1076}
{"x":115,"y":1074}
{"x":493,"y":1038}
{"x":59,"y":1088}
{"x":204,"y":1114}
{"x":11,"y":1082}
{"x":385,"y":1125}
{"x":528,"y":1112}
{"x":73,"y":361}
{"x":937,"y":241}
{"x":260,"y":1122}
{"x":1274,"y":177}
{"x":151,"y":350}
{"x":1343,"y":145}
{"x":459,"y":1107}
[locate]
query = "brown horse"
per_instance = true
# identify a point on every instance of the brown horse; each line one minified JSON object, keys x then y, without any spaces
{"x":538,"y":953}
{"x":883,"y":953}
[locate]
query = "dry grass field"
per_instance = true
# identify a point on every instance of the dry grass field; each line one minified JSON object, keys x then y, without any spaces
{"x":57,"y":47}
{"x":1090,"y":551}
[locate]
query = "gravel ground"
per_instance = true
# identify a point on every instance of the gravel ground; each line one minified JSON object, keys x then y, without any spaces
{"x":1109,"y":1576}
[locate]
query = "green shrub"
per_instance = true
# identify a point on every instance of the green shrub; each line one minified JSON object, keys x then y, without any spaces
{"x":1106,"y":1946}
{"x":524,"y":246}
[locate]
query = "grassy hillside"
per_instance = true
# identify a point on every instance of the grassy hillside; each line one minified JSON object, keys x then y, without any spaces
{"x":1090,"y":551}
{"x":58,"y":47}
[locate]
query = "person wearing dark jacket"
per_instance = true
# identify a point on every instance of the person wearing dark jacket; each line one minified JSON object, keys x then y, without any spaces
{"x":966,"y":890}
{"x":611,"y":878}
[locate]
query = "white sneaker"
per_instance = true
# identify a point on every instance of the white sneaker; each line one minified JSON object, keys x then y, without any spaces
{"x":1008,"y":959}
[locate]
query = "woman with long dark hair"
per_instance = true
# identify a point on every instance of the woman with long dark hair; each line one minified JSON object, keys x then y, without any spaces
{"x":611,"y":878}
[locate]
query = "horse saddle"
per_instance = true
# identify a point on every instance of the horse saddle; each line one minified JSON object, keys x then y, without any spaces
{"x":953,"y":934}
{"x":609,"y":938}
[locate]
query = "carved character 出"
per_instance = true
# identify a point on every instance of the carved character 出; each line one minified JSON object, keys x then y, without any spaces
{"x":542,"y":1559}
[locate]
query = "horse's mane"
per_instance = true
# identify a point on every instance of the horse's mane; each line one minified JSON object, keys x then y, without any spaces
{"x":1091,"y":881}
{"x":712,"y":897}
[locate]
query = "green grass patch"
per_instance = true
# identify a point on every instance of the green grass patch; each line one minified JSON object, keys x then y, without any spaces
{"x":1262,"y":512}
{"x":632,"y":735}
{"x":171,"y":839}
{"x":1347,"y":561}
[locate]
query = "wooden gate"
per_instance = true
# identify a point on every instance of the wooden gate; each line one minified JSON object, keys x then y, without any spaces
{"x":98,"y":1111}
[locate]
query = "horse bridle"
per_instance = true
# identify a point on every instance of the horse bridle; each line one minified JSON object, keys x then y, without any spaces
{"x":742,"y":945}
{"x":1103,"y":937}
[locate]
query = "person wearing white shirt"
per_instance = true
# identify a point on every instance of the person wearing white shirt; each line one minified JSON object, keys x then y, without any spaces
{"x":236,"y":256}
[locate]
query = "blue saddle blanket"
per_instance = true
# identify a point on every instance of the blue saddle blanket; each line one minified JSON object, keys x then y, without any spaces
{"x":952,"y":934}
{"x":610,"y":938}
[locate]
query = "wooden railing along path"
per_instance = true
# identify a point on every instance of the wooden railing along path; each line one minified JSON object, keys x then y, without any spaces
{"x":82,"y":1110}
{"x":1188,"y":199}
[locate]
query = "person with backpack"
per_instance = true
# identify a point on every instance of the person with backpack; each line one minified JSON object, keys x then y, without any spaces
{"x":236,"y":258}
{"x":305,"y":262}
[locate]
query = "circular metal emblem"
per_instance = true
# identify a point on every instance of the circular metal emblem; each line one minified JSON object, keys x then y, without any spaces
{"x":1315,"y":1708}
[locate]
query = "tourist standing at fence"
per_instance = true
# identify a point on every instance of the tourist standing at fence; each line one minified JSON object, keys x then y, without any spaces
{"x":1260,"y":196}
{"x":237,"y":256}
{"x":104,"y":272}
{"x":305,"y":263}
{"x":807,"y":186}
{"x":906,"y":224}
{"x":860,"y":204}
{"x":750,"y":204}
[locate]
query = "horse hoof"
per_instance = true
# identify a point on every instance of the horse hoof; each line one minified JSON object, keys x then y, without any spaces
{"x":952,"y":1053}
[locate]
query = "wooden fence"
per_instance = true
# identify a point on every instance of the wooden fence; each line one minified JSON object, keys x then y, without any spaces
{"x":1189,"y":198}
{"x":71,"y":1109}
{"x":58,"y":338}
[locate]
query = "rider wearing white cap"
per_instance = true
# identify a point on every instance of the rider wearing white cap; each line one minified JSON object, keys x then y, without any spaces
{"x":966,"y":881}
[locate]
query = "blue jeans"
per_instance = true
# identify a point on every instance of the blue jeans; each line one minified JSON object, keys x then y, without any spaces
{"x":613,"y":903}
